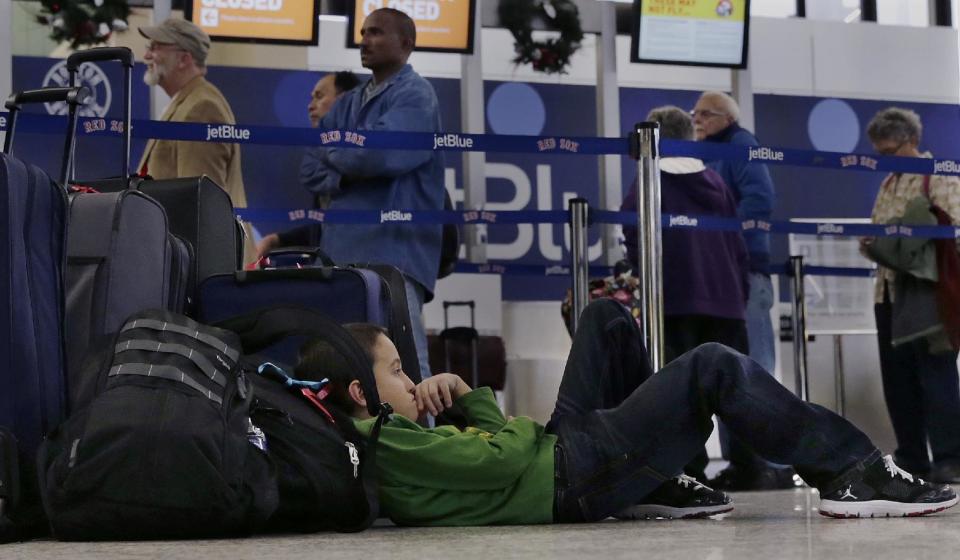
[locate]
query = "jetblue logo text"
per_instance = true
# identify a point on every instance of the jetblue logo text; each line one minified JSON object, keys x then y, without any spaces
{"x":227,"y":132}
{"x":829,"y":228}
{"x":764,"y":154}
{"x":685,"y":221}
{"x":451,"y":141}
{"x":557,"y":271}
{"x":3,"y":123}
{"x":395,"y":216}
{"x":946,"y":166}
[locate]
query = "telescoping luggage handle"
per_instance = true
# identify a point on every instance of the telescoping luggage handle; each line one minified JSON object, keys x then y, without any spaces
{"x":74,"y":97}
{"x":124,"y":56}
{"x":448,"y":304}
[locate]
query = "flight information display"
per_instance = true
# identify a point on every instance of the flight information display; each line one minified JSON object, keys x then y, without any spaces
{"x":691,"y":32}
{"x":285,"y":22}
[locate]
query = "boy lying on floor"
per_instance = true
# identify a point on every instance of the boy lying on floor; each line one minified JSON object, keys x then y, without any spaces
{"x":617,"y":439}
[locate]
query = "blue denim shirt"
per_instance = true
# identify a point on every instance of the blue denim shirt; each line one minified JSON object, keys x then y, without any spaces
{"x":362,"y":179}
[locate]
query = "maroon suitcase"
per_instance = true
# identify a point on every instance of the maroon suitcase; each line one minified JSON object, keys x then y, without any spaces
{"x":481,"y":361}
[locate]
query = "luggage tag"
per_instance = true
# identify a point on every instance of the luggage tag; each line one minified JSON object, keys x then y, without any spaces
{"x":314,"y":391}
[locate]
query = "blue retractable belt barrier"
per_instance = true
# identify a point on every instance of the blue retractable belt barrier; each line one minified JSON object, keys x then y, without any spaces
{"x":450,"y":141}
{"x":670,"y":221}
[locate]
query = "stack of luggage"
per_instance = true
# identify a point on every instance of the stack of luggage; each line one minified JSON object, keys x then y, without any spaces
{"x":131,"y":398}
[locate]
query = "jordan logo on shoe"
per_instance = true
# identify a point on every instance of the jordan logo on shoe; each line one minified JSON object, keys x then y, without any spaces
{"x":848,"y":494}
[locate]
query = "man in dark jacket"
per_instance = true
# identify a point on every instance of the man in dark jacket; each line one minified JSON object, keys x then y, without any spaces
{"x":704,"y":272}
{"x":716,"y":119}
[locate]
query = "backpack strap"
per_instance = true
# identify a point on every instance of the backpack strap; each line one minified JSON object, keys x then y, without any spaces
{"x":261,"y":329}
{"x":926,"y":188}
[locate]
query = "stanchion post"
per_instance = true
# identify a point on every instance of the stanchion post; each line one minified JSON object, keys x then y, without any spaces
{"x":579,"y":214}
{"x":799,"y":323}
{"x":839,"y":382}
{"x":645,"y":148}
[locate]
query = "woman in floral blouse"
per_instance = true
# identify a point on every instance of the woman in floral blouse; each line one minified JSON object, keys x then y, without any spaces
{"x":920,"y":383}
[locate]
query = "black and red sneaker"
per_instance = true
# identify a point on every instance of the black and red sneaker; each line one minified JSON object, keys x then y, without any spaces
{"x":882,"y":489}
{"x":681,"y":497}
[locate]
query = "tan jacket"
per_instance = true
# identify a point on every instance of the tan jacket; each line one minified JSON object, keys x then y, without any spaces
{"x":199,"y":101}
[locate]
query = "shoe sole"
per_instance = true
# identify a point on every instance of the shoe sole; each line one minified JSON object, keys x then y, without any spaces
{"x":652,"y":511}
{"x":881,"y":508}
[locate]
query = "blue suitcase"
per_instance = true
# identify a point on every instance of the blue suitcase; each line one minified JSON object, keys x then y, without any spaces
{"x":33,"y":388}
{"x":346,"y":295}
{"x":33,"y":211}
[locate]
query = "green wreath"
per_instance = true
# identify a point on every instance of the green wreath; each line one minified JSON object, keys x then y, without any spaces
{"x":83,"y":22}
{"x":550,"y":56}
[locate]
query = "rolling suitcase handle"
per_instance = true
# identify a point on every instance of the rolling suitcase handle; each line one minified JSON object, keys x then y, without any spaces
{"x":125,"y":57}
{"x":462,"y":333}
{"x":72,"y":96}
{"x":448,"y":304}
{"x":315,"y":253}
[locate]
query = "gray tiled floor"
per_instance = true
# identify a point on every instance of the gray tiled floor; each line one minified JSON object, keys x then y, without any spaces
{"x":769,"y":525}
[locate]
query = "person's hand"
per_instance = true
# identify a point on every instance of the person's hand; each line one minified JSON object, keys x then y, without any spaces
{"x":436,"y":394}
{"x":267,"y":244}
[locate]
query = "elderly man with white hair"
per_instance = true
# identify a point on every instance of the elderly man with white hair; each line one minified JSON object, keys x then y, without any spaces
{"x":716,"y":119}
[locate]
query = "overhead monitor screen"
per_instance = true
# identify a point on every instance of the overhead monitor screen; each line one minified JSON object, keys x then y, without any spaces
{"x":442,"y":25}
{"x":691,"y":32}
{"x":285,"y":22}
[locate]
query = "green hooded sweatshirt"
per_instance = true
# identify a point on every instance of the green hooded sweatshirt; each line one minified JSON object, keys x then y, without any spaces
{"x":496,"y":472}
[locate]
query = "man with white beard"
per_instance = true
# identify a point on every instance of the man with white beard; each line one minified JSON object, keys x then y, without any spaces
{"x":176,"y":61}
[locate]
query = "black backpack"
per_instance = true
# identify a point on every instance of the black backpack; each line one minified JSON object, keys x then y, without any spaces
{"x":325,"y":468}
{"x":162,"y":446}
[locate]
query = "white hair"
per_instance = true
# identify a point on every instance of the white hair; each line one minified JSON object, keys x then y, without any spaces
{"x":727,"y":104}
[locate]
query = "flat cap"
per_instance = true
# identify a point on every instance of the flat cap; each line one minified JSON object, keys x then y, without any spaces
{"x":183,"y":34}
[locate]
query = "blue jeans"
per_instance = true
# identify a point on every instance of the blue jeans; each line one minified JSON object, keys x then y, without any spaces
{"x":759,"y":327}
{"x":624,"y":430}
{"x":922,"y":391}
{"x":415,"y":297}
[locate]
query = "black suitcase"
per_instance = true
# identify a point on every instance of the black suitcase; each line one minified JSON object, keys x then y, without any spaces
{"x":199,"y":212}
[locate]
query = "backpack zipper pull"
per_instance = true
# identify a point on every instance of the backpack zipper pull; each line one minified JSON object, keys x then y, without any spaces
{"x":354,"y":458}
